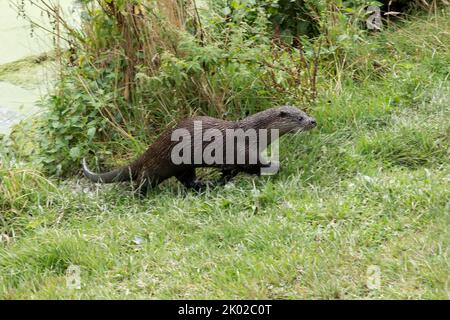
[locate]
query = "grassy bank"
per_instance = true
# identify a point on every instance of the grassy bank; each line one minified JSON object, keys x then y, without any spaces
{"x":367,"y":187}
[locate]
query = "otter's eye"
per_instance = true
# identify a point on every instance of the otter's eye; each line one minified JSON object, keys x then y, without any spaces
{"x":300,"y":118}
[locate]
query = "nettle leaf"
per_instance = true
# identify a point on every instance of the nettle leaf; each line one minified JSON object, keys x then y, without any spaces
{"x":235,"y":4}
{"x":280,"y":77}
{"x":342,"y":37}
{"x":226,"y":10}
{"x":91,"y":133}
{"x":75,"y":153}
{"x":375,"y":3}
{"x":56,"y":125}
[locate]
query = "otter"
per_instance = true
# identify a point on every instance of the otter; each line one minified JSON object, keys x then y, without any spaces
{"x":159,"y":162}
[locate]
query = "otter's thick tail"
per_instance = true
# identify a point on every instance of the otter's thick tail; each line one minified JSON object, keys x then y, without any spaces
{"x":117,"y":175}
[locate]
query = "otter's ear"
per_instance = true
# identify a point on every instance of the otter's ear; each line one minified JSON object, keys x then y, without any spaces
{"x":283,"y":114}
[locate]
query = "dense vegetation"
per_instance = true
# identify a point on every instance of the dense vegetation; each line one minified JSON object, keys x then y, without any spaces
{"x":369,"y":186}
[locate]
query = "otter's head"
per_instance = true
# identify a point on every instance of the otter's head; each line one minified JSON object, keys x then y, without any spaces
{"x":289,"y":119}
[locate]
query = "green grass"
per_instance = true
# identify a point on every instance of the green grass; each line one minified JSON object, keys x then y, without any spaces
{"x":368,"y":187}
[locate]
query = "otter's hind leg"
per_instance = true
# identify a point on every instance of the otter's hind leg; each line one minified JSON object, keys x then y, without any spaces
{"x":143,"y":185}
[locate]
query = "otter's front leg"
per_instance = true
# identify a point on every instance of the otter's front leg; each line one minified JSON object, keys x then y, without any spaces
{"x":267,"y":168}
{"x":189,"y":179}
{"x":270,"y":168}
{"x":227,"y":175}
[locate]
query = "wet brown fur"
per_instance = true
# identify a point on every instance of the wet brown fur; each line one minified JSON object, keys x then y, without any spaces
{"x":155,"y":164}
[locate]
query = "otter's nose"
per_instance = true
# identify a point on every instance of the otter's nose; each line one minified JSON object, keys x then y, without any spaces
{"x":313,"y":122}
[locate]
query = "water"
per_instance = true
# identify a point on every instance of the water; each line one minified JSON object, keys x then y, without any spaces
{"x":15,"y":34}
{"x":18,"y":102}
